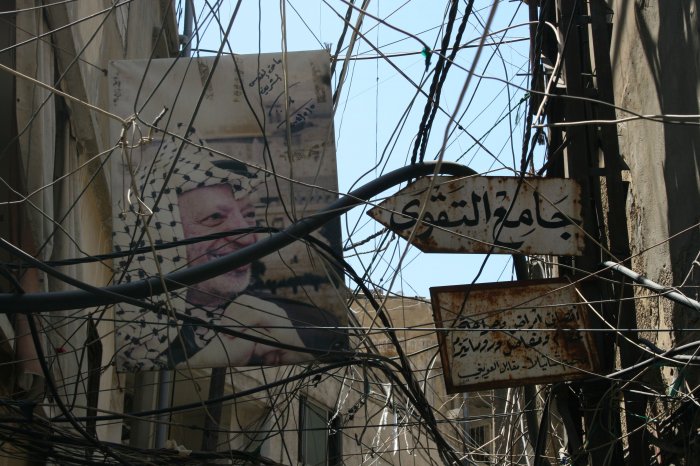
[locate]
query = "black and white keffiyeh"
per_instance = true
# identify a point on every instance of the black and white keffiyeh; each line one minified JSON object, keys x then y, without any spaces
{"x":179,"y":166}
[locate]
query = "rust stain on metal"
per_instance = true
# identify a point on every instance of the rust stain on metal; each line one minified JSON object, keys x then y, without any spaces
{"x":501,"y":335}
{"x":487,"y":214}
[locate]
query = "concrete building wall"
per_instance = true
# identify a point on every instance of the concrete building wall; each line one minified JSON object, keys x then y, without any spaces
{"x":655,"y":56}
{"x":67,"y":216}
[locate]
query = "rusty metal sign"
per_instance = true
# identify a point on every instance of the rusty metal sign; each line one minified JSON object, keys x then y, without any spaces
{"x":509,"y":334}
{"x":484,"y":214}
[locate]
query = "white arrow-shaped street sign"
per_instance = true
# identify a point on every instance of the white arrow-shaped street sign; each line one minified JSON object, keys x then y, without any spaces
{"x":483,"y":214}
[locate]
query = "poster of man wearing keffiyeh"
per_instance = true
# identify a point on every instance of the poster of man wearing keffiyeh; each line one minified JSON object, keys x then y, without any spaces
{"x":217,"y":155}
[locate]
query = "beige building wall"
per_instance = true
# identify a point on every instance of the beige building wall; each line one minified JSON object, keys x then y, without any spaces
{"x":68,"y":215}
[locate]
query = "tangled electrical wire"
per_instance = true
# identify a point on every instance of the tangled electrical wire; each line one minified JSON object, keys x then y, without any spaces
{"x":382,"y":398}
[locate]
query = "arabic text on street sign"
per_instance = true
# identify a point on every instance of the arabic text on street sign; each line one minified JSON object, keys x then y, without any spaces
{"x":478,"y":214}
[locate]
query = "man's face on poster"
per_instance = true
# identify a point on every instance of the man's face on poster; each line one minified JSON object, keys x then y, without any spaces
{"x":205,"y":211}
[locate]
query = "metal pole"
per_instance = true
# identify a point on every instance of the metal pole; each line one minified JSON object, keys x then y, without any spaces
{"x":653,"y":286}
{"x":212,"y":420}
{"x":187,"y":29}
{"x":145,"y":397}
{"x":581,"y":161}
{"x":165,"y":384}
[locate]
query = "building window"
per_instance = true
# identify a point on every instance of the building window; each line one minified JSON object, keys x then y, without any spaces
{"x":478,"y":437}
{"x":320,"y":437}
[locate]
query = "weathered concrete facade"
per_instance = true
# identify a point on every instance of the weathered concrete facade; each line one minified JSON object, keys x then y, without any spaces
{"x":67,"y":47}
{"x":655,"y":56}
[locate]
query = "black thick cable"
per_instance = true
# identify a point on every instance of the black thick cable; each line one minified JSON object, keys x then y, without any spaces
{"x":416,"y":396}
{"x":126,"y":292}
{"x":141,"y":250}
{"x":410,"y":388}
{"x":187,"y":319}
{"x":77,"y":299}
{"x":105,"y":293}
{"x":301,"y":229}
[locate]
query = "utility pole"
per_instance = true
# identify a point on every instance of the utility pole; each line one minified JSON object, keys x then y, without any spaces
{"x":590,"y":154}
{"x":616,"y":221}
{"x":600,"y":408}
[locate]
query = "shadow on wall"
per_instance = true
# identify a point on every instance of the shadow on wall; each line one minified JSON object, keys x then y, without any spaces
{"x":675,"y":62}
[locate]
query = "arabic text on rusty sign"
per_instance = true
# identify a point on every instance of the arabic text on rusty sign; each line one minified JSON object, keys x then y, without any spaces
{"x":511,"y":334}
